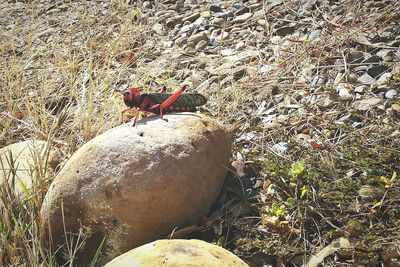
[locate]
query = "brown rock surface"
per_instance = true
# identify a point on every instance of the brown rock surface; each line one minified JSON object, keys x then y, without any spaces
{"x":173,"y":253}
{"x":136,"y":184}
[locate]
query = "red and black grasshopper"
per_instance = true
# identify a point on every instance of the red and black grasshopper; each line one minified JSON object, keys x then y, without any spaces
{"x":160,"y":103}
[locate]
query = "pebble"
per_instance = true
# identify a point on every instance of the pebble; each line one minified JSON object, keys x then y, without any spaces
{"x":239,"y":45}
{"x":262,"y":22}
{"x":314,"y":34}
{"x":224,"y":35}
{"x":242,"y":18}
{"x":317,"y":81}
{"x":360,"y":89}
{"x":206,"y":14}
{"x":352,"y":78}
{"x":227,"y":52}
{"x":256,"y":6}
{"x":375,"y":71}
{"x":197,"y":38}
{"x":192,"y":17}
{"x":366,"y":79}
{"x":180,"y":41}
{"x":237,"y":5}
{"x":225,"y":15}
{"x":215,"y":8}
{"x":201,"y":45}
{"x":344,"y":92}
{"x":390,"y":94}
{"x":384,"y":79}
{"x":190,"y":50}
{"x":354,"y":57}
{"x":367,"y":104}
{"x":396,"y":107}
{"x":158,"y":28}
{"x":242,"y":11}
{"x":281,"y":148}
{"x":218,"y":21}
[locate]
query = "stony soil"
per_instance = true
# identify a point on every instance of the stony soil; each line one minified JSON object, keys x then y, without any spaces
{"x":310,"y":89}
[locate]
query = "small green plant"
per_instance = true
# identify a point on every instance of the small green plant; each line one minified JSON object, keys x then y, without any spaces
{"x":276,"y":210}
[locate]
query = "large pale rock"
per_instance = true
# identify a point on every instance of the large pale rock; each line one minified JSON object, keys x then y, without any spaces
{"x":133,"y":185}
{"x":29,"y":160}
{"x":174,"y":253}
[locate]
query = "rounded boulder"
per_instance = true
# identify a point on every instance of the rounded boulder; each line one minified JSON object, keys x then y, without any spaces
{"x":24,"y":162}
{"x":178,"y":252}
{"x":132,"y":185}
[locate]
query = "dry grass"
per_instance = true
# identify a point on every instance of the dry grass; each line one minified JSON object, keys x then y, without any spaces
{"x":63,"y":66}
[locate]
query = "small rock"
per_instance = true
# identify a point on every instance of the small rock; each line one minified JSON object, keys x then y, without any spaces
{"x":317,"y":81}
{"x":147,"y":4}
{"x":354,"y":57}
{"x":218,"y":21}
{"x":367,"y":104}
{"x":24,"y":155}
{"x":344,"y":92}
{"x":214,"y":41}
{"x":192,"y":17}
{"x":170,"y":23}
{"x":386,"y":55}
{"x":376,"y":71}
{"x":205,"y":14}
{"x":180,"y":41}
{"x":190,"y":51}
{"x":239,"y":72}
{"x":384,"y":79}
{"x":396,"y":107}
{"x":178,"y":252}
{"x":262,"y":22}
{"x":225,"y":15}
{"x":191,"y":45}
{"x":391,"y":94}
{"x":371,"y":59}
{"x":285,"y":30}
{"x":281,"y":148}
{"x":325,"y":102}
{"x":352,"y":78}
{"x":256,"y":6}
{"x":227,"y":52}
{"x":224,"y":35}
{"x":215,"y":8}
{"x":197,"y":38}
{"x":179,"y":5}
{"x":314,"y":34}
{"x":366,"y":79}
{"x":168,"y":44}
{"x":239,"y":45}
{"x":359,"y":70}
{"x":237,"y":5}
{"x":187,"y":28}
{"x":201,"y":45}
{"x":264,"y":69}
{"x":242,"y":18}
{"x":158,"y":28}
{"x":360,"y":89}
{"x":242,"y":11}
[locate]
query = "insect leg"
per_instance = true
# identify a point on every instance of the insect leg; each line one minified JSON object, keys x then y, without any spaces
{"x":122,"y":114}
{"x":134,"y":119}
{"x":172,"y":98}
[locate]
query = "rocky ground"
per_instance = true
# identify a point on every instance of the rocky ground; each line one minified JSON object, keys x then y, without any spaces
{"x":310,"y":90}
